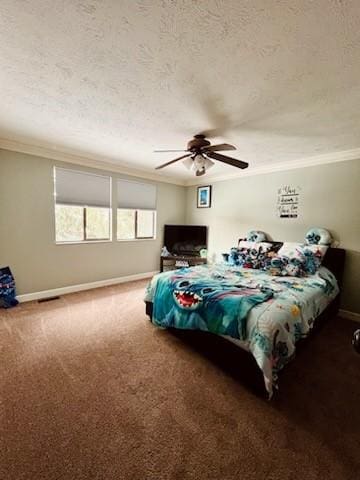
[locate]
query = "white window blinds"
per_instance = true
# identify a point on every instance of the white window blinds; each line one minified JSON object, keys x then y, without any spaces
{"x":134,"y":195}
{"x":81,"y":188}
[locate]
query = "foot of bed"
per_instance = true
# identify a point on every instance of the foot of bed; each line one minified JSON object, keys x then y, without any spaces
{"x":149,"y":309}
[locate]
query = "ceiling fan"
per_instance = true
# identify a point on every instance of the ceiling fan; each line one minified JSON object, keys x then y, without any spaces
{"x":199,"y":155}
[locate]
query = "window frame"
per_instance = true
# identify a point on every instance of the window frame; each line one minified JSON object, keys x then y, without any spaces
{"x":84,"y":225}
{"x":136,"y":237}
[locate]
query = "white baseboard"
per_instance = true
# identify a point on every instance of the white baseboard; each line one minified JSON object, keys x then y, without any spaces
{"x":28,"y":297}
{"x":349,"y":315}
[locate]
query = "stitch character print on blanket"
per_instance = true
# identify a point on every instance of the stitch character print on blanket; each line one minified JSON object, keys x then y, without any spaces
{"x":215,"y":305}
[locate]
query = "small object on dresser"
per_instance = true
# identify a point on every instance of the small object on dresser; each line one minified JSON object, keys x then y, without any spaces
{"x":173,"y":262}
{"x":181,"y":263}
{"x":165,"y":252}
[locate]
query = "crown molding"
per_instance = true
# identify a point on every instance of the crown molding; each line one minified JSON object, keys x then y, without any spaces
{"x":88,"y":161}
{"x":324,"y":159}
{"x":101,"y":163}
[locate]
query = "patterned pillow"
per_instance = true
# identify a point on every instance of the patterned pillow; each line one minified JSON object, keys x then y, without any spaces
{"x":254,"y":254}
{"x":249,"y":254}
{"x":296,"y":259}
{"x":246,"y":244}
{"x":316,"y":236}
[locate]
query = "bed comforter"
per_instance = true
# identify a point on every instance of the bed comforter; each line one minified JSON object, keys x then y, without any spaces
{"x":266,"y":315}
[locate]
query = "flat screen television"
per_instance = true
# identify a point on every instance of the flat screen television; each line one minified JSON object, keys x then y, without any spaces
{"x":185,"y":239}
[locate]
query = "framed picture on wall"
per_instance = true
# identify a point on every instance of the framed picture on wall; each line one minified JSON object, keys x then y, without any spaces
{"x":204,"y":197}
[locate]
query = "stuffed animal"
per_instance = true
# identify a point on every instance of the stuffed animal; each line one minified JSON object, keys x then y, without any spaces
{"x":234,"y":256}
{"x":7,"y":288}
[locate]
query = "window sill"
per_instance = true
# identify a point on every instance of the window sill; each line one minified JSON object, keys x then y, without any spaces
{"x":81,"y":242}
{"x":137,"y":240}
{"x":88,"y":242}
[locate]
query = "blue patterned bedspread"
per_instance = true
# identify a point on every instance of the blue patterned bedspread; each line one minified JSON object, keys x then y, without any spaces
{"x":264,"y":314}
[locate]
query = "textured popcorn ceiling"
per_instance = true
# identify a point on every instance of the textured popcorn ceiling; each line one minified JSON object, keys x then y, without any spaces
{"x":117,"y":79}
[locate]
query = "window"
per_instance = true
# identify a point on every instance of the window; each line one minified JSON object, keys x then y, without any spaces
{"x":145,"y":223}
{"x":82,"y":206}
{"x":136,"y":214}
{"x":69,"y":223}
{"x":126,"y":224}
{"x":135,"y":224}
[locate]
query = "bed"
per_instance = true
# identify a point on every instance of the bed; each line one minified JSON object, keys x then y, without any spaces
{"x":265,"y":315}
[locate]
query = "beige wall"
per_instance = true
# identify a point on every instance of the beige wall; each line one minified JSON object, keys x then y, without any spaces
{"x":27,"y":231}
{"x":330,"y":198}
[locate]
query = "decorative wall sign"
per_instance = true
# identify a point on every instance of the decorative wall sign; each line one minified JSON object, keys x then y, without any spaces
{"x":288,"y":202}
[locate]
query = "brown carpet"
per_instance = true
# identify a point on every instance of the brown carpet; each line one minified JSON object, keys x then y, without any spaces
{"x":90,"y":389}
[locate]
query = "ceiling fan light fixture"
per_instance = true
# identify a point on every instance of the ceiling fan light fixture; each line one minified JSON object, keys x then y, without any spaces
{"x":208,"y":163}
{"x":200,"y":172}
{"x":199,"y":162}
{"x":189,"y":163}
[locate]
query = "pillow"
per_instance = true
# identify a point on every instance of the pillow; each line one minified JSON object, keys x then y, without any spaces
{"x":256,"y":236}
{"x":247,"y":244}
{"x":251,"y":254}
{"x":318,"y":236}
{"x":296,"y":259}
{"x":290,"y":249}
{"x":254,"y":254}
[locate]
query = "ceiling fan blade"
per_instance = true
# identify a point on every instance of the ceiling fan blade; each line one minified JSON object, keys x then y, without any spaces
{"x":218,"y":148}
{"x":225,"y":159}
{"x":162,"y":151}
{"x":172,"y":161}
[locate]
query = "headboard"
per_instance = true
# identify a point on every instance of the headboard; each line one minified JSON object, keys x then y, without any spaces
{"x":334,"y":260}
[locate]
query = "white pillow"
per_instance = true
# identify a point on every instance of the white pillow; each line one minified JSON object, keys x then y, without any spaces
{"x":306,"y":257}
{"x":293,"y":249}
{"x":245,"y":244}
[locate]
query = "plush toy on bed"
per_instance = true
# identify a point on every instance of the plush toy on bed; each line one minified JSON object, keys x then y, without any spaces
{"x":233,"y":257}
{"x":252,"y":252}
{"x":292,"y":259}
{"x":298,"y":259}
{"x":284,"y":266}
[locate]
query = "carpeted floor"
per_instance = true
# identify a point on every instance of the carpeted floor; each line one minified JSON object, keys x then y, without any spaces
{"x":90,"y":389}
